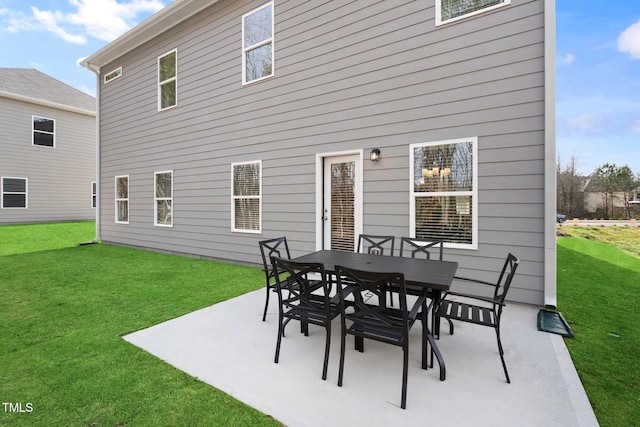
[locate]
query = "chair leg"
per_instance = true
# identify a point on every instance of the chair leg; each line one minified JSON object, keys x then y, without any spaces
{"x":342,"y":345}
{"x":327,"y":346}
{"x":405,"y":373}
{"x":280,"y":334}
{"x":266,"y":305}
{"x":434,"y":349}
{"x":501,"y":352}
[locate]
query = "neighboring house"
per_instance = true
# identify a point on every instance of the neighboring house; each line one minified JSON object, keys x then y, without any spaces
{"x":48,"y":146}
{"x":223,"y":123}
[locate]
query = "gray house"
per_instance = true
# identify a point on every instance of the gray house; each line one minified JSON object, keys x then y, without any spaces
{"x":222,"y":123}
{"x":48,"y":146}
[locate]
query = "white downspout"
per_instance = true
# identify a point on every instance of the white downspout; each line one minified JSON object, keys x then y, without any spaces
{"x":550,"y":291}
{"x":96,"y":70}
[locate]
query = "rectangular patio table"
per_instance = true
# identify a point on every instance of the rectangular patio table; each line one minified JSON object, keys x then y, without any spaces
{"x":433,"y":276}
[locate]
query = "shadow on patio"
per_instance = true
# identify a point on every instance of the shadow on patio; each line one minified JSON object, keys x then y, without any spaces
{"x":233,"y":352}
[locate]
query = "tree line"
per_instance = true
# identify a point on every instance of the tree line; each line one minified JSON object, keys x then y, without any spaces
{"x":609,"y":192}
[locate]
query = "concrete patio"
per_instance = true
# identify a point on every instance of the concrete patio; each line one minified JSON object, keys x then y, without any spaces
{"x":232,"y":351}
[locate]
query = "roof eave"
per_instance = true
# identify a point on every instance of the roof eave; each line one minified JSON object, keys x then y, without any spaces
{"x":166,"y":18}
{"x":46,"y":103}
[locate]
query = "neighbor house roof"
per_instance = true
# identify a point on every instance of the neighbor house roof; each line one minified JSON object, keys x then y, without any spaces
{"x":30,"y":85}
{"x":166,"y":18}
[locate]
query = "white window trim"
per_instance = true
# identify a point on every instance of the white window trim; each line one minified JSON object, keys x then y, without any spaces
{"x":156,"y":199}
{"x":33,"y":131}
{"x":473,"y":193}
{"x":125,"y":199}
{"x":26,"y":192}
{"x":234,"y":197}
{"x":257,"y":45}
{"x":117,"y":72}
{"x":93,"y":194}
{"x":160,"y":83}
{"x":439,"y":20}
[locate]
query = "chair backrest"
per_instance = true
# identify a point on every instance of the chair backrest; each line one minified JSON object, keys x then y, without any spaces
{"x":506,"y":276}
{"x":429,"y":249}
{"x":298,"y":282}
{"x":377,"y":245}
{"x":277,"y":247}
{"x":369,"y":291}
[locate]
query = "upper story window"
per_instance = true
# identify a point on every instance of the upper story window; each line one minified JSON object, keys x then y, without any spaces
{"x":14,"y":193}
{"x":164,"y":198}
{"x":122,"y":199}
{"x":257,"y":44}
{"x":453,"y":10}
{"x":444,"y":192}
{"x":113,"y":75}
{"x":167,"y":80}
{"x":44,"y":132}
{"x":246,"y":195}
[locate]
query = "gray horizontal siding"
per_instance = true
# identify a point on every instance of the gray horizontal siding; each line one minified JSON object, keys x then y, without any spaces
{"x":352,"y":75}
{"x":59,"y":179}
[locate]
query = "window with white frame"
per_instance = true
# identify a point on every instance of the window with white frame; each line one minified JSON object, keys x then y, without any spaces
{"x":94,"y":194}
{"x":44,"y":132}
{"x":257,"y":44}
{"x":453,"y":10}
{"x":113,"y":75}
{"x":443,"y":195}
{"x":14,"y":193}
{"x":246,"y":197}
{"x":122,"y":199}
{"x":168,"y":80}
{"x":163,"y":199}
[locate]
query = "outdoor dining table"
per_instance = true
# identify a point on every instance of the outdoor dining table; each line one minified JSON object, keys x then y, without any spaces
{"x":433,"y":276}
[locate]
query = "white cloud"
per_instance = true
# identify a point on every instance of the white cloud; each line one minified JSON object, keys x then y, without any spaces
{"x":629,"y":41}
{"x":566,"y":59}
{"x":635,"y":128}
{"x":586,"y":122}
{"x":101,"y":19}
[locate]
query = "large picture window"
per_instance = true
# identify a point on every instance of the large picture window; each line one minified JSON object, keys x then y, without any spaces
{"x":164,"y":198}
{"x":168,"y":80}
{"x":44,"y":132}
{"x":444,"y":192}
{"x":14,"y":193}
{"x":453,"y":10}
{"x":257,"y":44}
{"x":246,"y":197}
{"x":122,"y":199}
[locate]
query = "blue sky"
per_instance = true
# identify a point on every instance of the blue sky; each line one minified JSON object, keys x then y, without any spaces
{"x":597,"y":74}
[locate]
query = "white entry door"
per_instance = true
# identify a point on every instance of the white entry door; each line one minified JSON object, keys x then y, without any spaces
{"x":342,"y":202}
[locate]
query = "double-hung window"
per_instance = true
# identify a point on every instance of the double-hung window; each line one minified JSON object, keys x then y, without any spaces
{"x":163,"y":199}
{"x":257,"y":44}
{"x":122,"y":199}
{"x":14,"y":193}
{"x":168,"y":80}
{"x":453,"y":10}
{"x":44,"y":132}
{"x":443,"y":194}
{"x":246,"y":197}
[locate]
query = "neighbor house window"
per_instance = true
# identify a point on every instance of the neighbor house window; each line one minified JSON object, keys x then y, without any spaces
{"x":444,"y":188}
{"x":44,"y":131}
{"x":94,"y":194}
{"x":167,"y":80}
{"x":257,"y":43}
{"x":164,"y":198}
{"x":113,"y":75}
{"x":14,"y":193}
{"x":453,"y":10}
{"x":122,"y":199}
{"x":246,"y":197}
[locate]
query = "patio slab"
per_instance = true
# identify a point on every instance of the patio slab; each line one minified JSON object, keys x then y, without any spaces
{"x":233,"y":352}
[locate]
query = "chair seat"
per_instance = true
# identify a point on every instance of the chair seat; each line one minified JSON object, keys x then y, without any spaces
{"x":387,"y":330}
{"x":467,"y":313}
{"x":312,"y":311}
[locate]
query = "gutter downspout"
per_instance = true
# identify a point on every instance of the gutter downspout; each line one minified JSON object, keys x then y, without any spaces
{"x":96,"y":70}
{"x":550,"y":262}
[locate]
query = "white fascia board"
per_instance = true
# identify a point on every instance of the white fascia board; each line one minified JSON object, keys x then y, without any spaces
{"x":45,"y":103}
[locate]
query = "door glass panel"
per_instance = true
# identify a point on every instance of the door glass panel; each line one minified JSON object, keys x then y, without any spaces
{"x":343,"y":179}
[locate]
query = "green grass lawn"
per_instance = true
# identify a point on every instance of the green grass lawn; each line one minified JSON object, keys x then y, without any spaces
{"x":63,"y":313}
{"x":599,"y":295}
{"x":19,"y":239}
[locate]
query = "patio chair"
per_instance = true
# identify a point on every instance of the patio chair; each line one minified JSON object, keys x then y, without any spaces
{"x":482,"y":310}
{"x":376,"y":245}
{"x":268,"y":248}
{"x":370,"y":318}
{"x":304,"y":296}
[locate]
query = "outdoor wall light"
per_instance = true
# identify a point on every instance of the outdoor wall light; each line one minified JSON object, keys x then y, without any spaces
{"x":375,"y":155}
